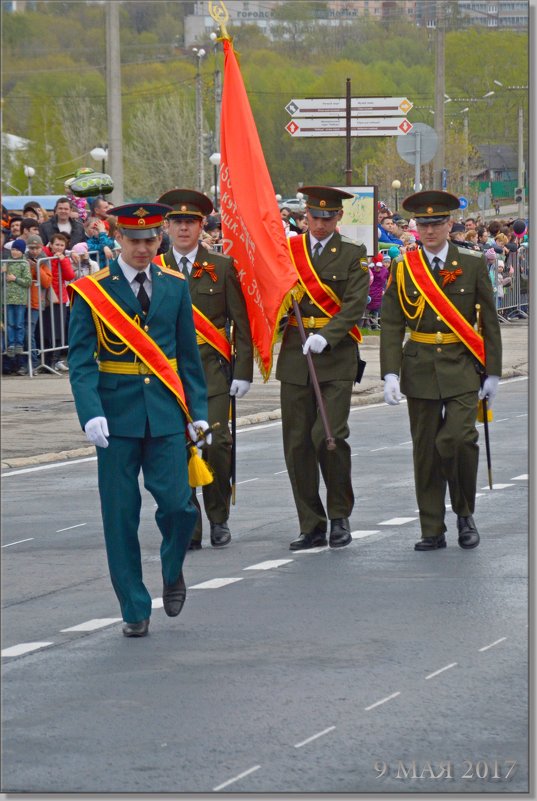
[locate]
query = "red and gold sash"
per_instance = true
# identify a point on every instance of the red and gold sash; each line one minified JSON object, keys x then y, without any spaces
{"x":424,"y":280}
{"x":126,"y":329}
{"x":320,"y":294}
{"x":204,"y":327}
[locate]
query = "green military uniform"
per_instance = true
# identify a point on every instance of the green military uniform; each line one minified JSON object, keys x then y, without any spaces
{"x":340,"y":267}
{"x":216,"y":292}
{"x":146,"y":425}
{"x":439,"y":379}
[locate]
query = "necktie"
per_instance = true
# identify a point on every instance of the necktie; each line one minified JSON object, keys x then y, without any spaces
{"x":143,"y":297}
{"x":436,"y":264}
{"x":184,"y":265}
{"x":316,"y":252}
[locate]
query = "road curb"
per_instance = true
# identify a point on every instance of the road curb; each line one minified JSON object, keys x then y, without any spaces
{"x":368,"y":397}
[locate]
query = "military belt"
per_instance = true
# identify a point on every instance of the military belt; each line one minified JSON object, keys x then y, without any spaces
{"x":434,"y":339}
{"x":311,"y":322}
{"x":203,"y":341}
{"x":129,"y":368}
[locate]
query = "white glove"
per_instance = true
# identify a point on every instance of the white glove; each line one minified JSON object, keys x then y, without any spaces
{"x":239,"y":387}
{"x":392,"y":391}
{"x":489,"y":388}
{"x":97,"y":431}
{"x":316,"y":343}
{"x":194,"y":432}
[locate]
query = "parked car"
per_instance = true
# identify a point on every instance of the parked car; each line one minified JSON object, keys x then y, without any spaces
{"x":293,"y":203}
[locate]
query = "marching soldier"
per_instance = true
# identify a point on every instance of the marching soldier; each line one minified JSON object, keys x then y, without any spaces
{"x":438,"y":292}
{"x":334,"y":273}
{"x":133,"y":402}
{"x":217,"y":300}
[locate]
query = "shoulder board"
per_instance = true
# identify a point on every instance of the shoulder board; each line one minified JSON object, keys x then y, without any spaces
{"x":350,"y":241}
{"x":104,"y":273}
{"x":175,"y":273}
{"x":468,"y":252}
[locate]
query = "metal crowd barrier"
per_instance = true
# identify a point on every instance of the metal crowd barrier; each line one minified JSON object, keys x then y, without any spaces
{"x":513,"y":302}
{"x":50,"y":330}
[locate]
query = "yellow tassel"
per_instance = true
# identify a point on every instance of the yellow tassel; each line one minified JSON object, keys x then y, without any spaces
{"x":199,"y":472}
{"x":481,"y":416}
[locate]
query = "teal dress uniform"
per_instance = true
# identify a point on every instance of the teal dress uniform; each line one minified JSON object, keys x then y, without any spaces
{"x":341,"y":268}
{"x":441,"y":381}
{"x":222,"y":302}
{"x":146,"y":425}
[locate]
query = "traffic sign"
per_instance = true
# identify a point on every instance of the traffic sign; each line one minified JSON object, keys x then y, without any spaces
{"x":337,"y":106}
{"x":334,"y":126}
{"x":463,"y":202}
{"x":409,"y":147}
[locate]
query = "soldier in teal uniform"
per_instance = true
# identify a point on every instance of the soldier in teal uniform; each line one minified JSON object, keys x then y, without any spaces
{"x":341,"y":265}
{"x":132,"y":417}
{"x":216,"y":292}
{"x":440,"y":376}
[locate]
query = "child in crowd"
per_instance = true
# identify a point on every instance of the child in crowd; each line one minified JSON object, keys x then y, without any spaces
{"x":18,"y":279}
{"x":82,"y":263}
{"x":379,"y":271}
{"x":38,"y":293}
{"x":99,"y":240}
{"x":56,"y":315}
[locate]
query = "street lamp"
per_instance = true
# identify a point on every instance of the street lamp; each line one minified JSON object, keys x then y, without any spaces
{"x":396,"y":186}
{"x":100,"y":154}
{"x":199,"y":52}
{"x":214,"y":158}
{"x":29,"y":173}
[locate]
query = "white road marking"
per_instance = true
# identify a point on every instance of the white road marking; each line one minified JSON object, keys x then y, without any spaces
{"x":437,"y":672}
{"x":236,"y":778}
{"x":78,"y":525}
{"x":384,"y":448}
{"x":523,"y":477}
{"x":268,"y":565}
{"x":50,"y":466}
{"x":319,"y":549}
{"x":497,"y":486}
{"x":214,"y":584}
{"x":24,"y":648}
{"x":492,"y":644}
{"x":17,"y":542}
{"x":397,"y":521}
{"x":357,"y":535}
{"x":314,"y":737}
{"x":279,"y":473}
{"x":382,"y":701}
{"x":408,"y":442}
{"x":247,"y":481}
{"x":94,"y":624}
{"x":522,"y":415}
{"x":502,"y":419}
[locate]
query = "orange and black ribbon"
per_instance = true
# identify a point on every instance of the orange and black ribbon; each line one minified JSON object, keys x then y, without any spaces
{"x":208,"y":268}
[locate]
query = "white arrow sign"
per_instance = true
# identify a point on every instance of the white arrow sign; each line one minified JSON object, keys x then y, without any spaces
{"x":360,"y":106}
{"x":334,"y":126}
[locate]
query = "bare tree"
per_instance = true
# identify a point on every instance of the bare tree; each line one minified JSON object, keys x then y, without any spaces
{"x":83,"y":123}
{"x":161,"y":153}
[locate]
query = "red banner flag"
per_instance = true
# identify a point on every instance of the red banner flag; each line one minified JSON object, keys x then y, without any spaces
{"x":252,"y":228}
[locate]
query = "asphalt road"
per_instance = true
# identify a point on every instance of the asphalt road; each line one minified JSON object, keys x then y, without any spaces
{"x":371,"y":669}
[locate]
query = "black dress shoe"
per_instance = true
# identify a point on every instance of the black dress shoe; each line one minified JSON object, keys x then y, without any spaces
{"x":195,"y":545}
{"x":468,"y":533}
{"x":220,"y":534}
{"x":305,"y":541}
{"x":431,"y":543}
{"x":340,"y":532}
{"x":139,"y":629}
{"x":173,"y":596}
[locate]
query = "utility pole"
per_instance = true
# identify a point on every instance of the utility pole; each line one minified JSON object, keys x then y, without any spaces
{"x":521,"y":206}
{"x":113,"y":101}
{"x":199,"y":119}
{"x":440,"y":88}
{"x":466,"y":157}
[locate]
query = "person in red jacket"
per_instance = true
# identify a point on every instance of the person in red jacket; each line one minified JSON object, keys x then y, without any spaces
{"x":56,"y":314}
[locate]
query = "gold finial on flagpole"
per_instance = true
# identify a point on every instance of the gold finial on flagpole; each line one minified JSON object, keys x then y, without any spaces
{"x":220,"y":14}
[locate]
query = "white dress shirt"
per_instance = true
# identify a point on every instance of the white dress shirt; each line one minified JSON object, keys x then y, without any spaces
{"x":130,"y":274}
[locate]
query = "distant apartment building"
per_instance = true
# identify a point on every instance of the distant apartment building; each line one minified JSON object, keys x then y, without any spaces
{"x":502,"y":14}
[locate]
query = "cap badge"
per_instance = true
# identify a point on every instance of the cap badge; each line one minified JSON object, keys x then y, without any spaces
{"x":430,"y":209}
{"x":184,"y":208}
{"x":141,"y":212}
{"x":322,"y":203}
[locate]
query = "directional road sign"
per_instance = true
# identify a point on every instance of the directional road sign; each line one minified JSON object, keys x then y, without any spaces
{"x":360,"y":106}
{"x":334,"y":126}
